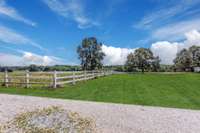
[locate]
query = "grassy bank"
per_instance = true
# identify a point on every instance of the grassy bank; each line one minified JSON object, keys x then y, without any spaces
{"x":166,"y":90}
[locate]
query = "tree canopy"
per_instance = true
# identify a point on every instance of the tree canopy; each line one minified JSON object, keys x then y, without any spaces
{"x":142,"y":59}
{"x":183,"y":60}
{"x":186,"y":59}
{"x":195,"y":54}
{"x":91,"y":54}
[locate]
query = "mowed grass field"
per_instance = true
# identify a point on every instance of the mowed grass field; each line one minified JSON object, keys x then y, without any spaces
{"x":165,"y":90}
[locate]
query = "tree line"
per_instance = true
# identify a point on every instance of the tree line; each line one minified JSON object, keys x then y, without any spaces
{"x":142,"y":59}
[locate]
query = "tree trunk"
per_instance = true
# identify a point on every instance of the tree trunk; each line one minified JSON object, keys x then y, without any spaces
{"x":142,"y":69}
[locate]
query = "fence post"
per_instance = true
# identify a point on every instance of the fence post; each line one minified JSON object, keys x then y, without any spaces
{"x":55,"y":79}
{"x":93,"y":76}
{"x":6,"y":78}
{"x":74,"y":79}
{"x":98,"y":73}
{"x":85,"y":75}
{"x":27,"y":79}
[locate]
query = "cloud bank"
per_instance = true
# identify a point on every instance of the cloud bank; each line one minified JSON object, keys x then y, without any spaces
{"x":10,"y":60}
{"x":167,"y":50}
{"x":115,"y":56}
{"x":164,"y":49}
{"x":28,"y":58}
{"x":176,"y":30}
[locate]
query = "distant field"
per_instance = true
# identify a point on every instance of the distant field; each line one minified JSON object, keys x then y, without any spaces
{"x":166,"y":90}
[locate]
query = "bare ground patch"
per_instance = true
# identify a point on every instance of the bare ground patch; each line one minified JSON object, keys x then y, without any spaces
{"x":50,"y":120}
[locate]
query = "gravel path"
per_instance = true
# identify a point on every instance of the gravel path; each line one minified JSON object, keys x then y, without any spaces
{"x":110,"y":118}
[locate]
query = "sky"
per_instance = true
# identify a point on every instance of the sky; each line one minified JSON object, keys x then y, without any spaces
{"x":47,"y":32}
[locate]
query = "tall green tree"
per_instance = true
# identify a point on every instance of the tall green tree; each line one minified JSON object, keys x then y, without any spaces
{"x":195,"y":55}
{"x":187,"y":59}
{"x":183,"y":60}
{"x":141,"y":59}
{"x":91,"y":54}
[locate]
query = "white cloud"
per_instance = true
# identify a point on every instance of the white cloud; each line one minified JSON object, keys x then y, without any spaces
{"x":167,"y":51}
{"x":193,"y":38}
{"x":12,"y":13}
{"x":167,"y":12}
{"x":72,"y":9}
{"x":10,"y":60}
{"x":28,"y":58}
{"x":32,"y":58}
{"x":115,"y":56}
{"x":11,"y":37}
{"x":177,"y":30}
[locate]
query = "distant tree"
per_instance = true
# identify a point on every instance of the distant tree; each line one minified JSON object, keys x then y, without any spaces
{"x":131,"y":63}
{"x":141,"y":59}
{"x":34,"y":68}
{"x":155,"y":64}
{"x":166,"y":68}
{"x":8,"y":69}
{"x":195,"y":55}
{"x":91,"y":54}
{"x":183,"y":60}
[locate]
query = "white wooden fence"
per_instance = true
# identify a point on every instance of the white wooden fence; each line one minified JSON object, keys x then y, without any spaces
{"x":76,"y":77}
{"x":53,"y":79}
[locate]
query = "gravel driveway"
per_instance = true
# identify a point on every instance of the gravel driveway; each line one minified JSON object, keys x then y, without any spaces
{"x":110,"y":118}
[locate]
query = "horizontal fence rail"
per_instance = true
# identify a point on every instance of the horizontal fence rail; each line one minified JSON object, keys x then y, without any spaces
{"x":52,"y":79}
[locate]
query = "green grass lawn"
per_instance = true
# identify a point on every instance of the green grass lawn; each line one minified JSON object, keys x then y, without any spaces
{"x":166,"y":90}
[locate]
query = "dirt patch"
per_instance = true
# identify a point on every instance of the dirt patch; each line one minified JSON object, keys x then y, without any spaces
{"x":50,"y":120}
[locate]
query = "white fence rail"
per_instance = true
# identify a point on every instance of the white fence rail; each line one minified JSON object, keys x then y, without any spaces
{"x":53,"y":79}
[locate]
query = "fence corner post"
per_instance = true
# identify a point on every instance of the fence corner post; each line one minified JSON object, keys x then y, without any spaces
{"x":6,"y":78}
{"x":55,"y":79}
{"x":74,"y":79}
{"x":27,"y":79}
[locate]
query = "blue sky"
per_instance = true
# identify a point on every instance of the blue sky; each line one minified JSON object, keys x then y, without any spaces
{"x":47,"y":32}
